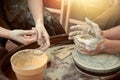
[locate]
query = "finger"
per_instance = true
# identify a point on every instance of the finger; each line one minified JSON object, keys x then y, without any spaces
{"x":28,"y":40}
{"x":26,"y":37}
{"x":40,"y":48}
{"x":76,"y":27}
{"x":33,"y":28}
{"x":47,"y":43}
{"x":47,"y":39}
{"x":70,"y":38}
{"x":74,"y":33}
{"x":40,"y":39}
{"x":27,"y":32}
{"x":91,"y":23}
{"x":80,"y":50}
{"x":94,"y":27}
{"x":44,"y":47}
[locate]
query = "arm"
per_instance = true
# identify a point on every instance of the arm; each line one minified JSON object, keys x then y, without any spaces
{"x":112,"y":46}
{"x":4,"y":33}
{"x":113,"y":34}
{"x":22,"y":36}
{"x":107,"y":46}
{"x":36,"y":8}
{"x":111,"y":42}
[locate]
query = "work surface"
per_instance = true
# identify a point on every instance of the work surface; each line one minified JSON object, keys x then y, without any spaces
{"x":65,"y":69}
{"x":62,"y":68}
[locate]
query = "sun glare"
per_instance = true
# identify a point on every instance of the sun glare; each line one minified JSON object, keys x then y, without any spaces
{"x":89,"y":8}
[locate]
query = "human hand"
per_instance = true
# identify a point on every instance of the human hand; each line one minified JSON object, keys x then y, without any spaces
{"x":90,"y":46}
{"x":42,"y":37}
{"x":77,"y":30}
{"x":89,"y":27}
{"x":90,"y":41}
{"x":23,"y":36}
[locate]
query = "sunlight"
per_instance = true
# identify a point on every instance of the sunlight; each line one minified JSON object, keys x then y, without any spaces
{"x":90,"y":8}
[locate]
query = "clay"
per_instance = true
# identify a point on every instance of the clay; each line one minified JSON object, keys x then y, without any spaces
{"x":90,"y":39}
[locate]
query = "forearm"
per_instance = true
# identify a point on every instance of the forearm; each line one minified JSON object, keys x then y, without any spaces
{"x":4,"y":33}
{"x":36,"y":8}
{"x":112,"y":33}
{"x":112,"y":46}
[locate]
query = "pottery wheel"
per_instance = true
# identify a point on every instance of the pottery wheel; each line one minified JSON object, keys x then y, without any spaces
{"x":100,"y":63}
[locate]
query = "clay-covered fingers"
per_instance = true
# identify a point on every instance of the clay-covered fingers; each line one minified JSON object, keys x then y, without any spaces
{"x":76,"y":27}
{"x":77,"y":30}
{"x":45,"y":44}
{"x":77,"y":43}
{"x":44,"y":41}
{"x":79,"y":46}
{"x":73,"y":34}
{"x":95,"y":29}
{"x":91,"y":23}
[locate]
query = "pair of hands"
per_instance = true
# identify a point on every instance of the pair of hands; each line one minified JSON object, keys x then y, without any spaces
{"x":26,"y":37}
{"x":91,"y":29}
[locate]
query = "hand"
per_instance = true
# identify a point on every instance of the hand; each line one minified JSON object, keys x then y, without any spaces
{"x":77,"y":30}
{"x":42,"y":37}
{"x":81,"y":48}
{"x":23,"y":36}
{"x":89,"y":27}
{"x":89,"y":42}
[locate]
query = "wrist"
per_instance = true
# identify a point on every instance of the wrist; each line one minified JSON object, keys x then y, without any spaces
{"x":106,"y":46}
{"x":5,"y":33}
{"x":9,"y":36}
{"x":39,"y":23}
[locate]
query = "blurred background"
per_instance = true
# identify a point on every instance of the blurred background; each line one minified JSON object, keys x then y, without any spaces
{"x":77,"y":10}
{"x":82,"y":8}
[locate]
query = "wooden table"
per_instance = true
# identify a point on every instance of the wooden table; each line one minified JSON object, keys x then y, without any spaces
{"x":57,"y":69}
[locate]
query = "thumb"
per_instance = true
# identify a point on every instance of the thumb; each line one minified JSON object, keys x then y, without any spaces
{"x":95,"y":27}
{"x":91,"y":23}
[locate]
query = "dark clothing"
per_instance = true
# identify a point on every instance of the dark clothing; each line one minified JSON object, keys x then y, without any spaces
{"x":18,"y":16}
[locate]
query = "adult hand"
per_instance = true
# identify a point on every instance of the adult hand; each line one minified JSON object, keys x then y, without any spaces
{"x":42,"y":37}
{"x":85,"y":49}
{"x":79,"y":30}
{"x":23,"y":36}
{"x":90,"y":41}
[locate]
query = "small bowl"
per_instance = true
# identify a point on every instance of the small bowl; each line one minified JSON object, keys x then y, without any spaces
{"x":29,"y":64}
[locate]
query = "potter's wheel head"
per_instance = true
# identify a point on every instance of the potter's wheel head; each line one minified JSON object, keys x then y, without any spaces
{"x":100,"y":64}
